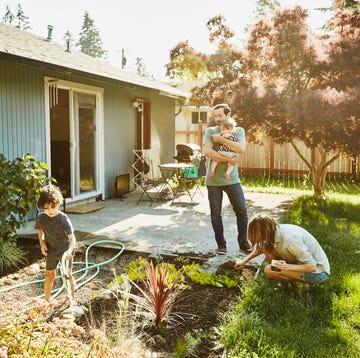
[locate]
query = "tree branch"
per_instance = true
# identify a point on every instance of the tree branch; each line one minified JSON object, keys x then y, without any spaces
{"x":300,"y":155}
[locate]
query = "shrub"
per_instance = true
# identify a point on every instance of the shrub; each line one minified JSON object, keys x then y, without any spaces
{"x":10,"y":255}
{"x":21,"y":180}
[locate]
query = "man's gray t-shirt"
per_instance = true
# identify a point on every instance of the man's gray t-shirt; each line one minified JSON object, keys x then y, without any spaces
{"x":56,"y":230}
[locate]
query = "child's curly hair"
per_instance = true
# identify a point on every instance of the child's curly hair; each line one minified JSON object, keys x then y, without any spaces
{"x":50,"y":194}
{"x":261,"y":231}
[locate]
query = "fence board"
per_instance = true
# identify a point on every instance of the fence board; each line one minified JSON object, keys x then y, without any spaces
{"x":272,"y":157}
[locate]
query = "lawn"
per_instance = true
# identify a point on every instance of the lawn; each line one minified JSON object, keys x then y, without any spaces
{"x":348,"y":189}
{"x":275,"y":320}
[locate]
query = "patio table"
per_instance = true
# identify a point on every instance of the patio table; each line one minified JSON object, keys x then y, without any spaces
{"x":172,"y":172}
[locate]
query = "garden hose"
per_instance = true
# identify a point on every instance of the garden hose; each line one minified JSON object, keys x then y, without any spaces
{"x":65,"y":274}
{"x":64,"y":267}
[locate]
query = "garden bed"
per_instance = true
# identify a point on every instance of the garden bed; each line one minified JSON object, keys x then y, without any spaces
{"x":200,"y":306}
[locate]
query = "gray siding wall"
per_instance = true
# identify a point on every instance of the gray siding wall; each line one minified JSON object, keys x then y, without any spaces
{"x":120,"y":131}
{"x":22,"y":116}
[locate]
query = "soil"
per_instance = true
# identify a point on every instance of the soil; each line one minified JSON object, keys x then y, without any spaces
{"x":200,"y":306}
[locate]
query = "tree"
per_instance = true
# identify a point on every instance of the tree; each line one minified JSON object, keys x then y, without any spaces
{"x":9,"y":16}
{"x":292,"y":85}
{"x":302,"y":89}
{"x":264,"y":7}
{"x":140,"y":67}
{"x":186,"y":63}
{"x":68,"y":38}
{"x":89,"y":41}
{"x":20,"y":18}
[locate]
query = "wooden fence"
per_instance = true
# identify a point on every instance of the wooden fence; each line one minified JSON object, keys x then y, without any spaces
{"x":273,"y":158}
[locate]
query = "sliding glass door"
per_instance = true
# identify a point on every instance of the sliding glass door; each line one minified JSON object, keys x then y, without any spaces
{"x":74,"y":138}
{"x":85,"y":137}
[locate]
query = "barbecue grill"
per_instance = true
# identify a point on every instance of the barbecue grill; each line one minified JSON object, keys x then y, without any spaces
{"x":184,"y":151}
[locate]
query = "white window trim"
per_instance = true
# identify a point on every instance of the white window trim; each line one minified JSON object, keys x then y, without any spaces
{"x":99,"y":92}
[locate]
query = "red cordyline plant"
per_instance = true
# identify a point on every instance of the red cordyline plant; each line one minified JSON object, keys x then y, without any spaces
{"x":155,"y":300}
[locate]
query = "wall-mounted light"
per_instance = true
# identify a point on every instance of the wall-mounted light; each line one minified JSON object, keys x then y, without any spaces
{"x":138,"y":105}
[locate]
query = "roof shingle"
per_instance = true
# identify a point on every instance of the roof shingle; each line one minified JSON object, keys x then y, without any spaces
{"x":26,"y":45}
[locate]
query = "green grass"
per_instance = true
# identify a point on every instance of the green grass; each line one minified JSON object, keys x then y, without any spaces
{"x":343,"y":189}
{"x":273,"y":320}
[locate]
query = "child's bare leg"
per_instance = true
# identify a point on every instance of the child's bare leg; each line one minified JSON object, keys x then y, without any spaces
{"x":49,"y":280}
{"x":213,"y":167}
{"x":229,"y":171}
{"x":283,"y":276}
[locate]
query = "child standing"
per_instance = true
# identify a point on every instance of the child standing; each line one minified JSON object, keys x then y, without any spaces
{"x":56,"y":236}
{"x":227,"y":131}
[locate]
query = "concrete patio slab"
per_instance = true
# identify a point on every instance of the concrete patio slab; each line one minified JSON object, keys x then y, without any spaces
{"x":166,"y":228}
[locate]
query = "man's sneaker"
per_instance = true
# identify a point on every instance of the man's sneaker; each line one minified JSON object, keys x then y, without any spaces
{"x":245,"y":246}
{"x":221,"y":250}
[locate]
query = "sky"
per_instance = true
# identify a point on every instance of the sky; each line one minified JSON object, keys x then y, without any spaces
{"x":148,"y":29}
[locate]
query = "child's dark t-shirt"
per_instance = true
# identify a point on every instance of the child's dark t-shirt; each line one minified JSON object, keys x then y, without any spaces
{"x":56,"y":230}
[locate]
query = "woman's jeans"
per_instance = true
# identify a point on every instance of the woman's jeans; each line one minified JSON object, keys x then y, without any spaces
{"x":237,"y":200}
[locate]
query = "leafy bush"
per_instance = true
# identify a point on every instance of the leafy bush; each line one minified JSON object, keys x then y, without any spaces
{"x":21,"y":180}
{"x":10,"y":255}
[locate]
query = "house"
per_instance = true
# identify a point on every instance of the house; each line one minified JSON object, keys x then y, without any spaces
{"x":80,"y":115}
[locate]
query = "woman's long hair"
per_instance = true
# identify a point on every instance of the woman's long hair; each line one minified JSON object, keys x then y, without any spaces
{"x":261,"y":232}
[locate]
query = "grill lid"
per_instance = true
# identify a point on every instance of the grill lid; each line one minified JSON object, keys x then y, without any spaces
{"x":188,"y":148}
{"x":184,"y":151}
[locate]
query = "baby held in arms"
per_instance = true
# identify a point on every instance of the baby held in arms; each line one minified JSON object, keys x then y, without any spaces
{"x":227,"y":131}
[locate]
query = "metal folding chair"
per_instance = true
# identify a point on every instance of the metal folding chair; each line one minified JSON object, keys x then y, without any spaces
{"x":145,"y":179}
{"x":196,"y":181}
{"x":169,"y":176}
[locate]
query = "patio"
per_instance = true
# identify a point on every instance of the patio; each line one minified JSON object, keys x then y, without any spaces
{"x":164,"y":228}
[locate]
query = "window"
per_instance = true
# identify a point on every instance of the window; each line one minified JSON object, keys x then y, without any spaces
{"x":195,"y":117}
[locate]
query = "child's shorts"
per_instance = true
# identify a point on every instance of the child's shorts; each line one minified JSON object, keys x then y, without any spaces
{"x":53,"y":260}
{"x":314,"y":277}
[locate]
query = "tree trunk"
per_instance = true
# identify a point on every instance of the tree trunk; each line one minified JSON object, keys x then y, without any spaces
{"x":318,"y":176}
{"x":318,"y":167}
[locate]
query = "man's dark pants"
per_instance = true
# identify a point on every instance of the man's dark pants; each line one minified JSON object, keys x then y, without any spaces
{"x":236,"y":197}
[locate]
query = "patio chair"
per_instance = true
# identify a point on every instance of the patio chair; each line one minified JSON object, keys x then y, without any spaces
{"x":188,"y":177}
{"x":145,"y":178}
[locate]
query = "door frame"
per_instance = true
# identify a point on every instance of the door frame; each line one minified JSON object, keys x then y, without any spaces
{"x":99,"y":93}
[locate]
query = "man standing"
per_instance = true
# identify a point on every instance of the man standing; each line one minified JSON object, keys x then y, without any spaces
{"x":217,"y":184}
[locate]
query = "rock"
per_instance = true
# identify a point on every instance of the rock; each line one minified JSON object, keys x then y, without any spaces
{"x":35,"y":266}
{"x":104,"y":295}
{"x":75,"y":311}
{"x":156,"y":257}
{"x":8,"y":281}
{"x":31,"y":271}
{"x":80,"y":248}
{"x":67,"y":316}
